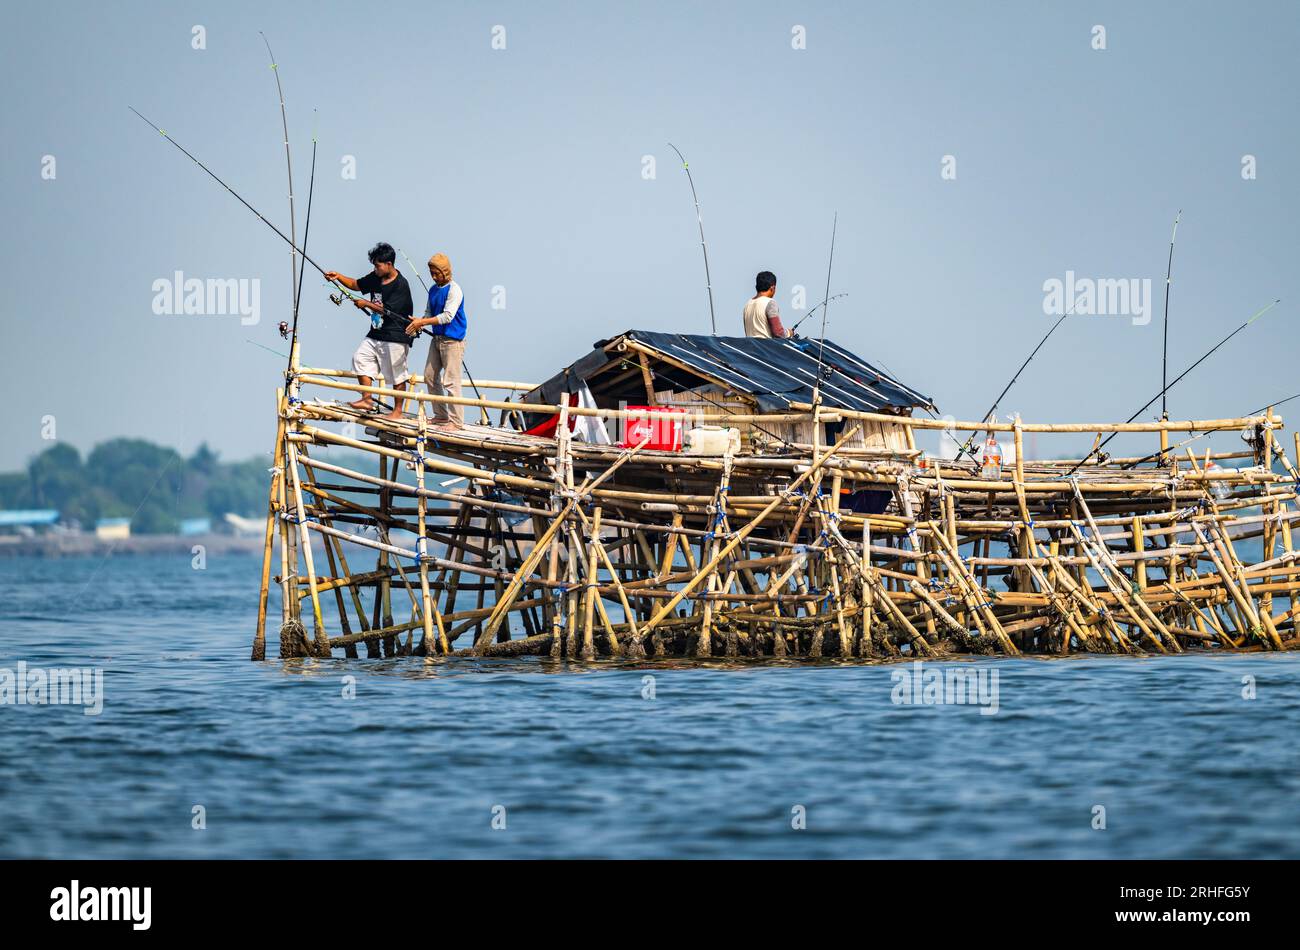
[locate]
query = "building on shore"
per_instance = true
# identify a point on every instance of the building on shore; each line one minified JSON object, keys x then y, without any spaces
{"x":113,"y":529}
{"x":24,"y":522}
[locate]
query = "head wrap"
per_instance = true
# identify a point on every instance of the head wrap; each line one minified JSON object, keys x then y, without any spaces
{"x":440,"y":267}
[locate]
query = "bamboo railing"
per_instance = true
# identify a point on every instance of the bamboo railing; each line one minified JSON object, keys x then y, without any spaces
{"x":489,"y":542}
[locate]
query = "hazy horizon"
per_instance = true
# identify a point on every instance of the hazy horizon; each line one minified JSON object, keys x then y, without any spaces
{"x":526,"y":165}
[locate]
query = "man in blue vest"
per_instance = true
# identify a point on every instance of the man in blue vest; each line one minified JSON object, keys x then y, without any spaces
{"x":445,"y":317}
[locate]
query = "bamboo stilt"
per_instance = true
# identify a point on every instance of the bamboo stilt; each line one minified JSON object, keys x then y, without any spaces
{"x":929,"y":573}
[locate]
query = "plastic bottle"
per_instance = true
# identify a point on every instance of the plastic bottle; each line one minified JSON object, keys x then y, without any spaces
{"x":992,"y":460}
{"x":1218,"y":489}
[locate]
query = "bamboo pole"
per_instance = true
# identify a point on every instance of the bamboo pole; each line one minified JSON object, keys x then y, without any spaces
{"x":318,"y":621}
{"x":742,"y":534}
{"x":792,"y":553}
{"x":259,"y":637}
{"x":428,"y":609}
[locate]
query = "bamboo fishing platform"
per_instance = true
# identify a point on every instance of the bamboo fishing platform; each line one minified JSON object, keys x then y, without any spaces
{"x":818,"y":530}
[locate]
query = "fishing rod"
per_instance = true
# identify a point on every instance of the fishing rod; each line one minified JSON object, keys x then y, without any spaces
{"x":293,"y":224}
{"x":821,"y":351}
{"x":1164,"y":353}
{"x":1275,"y":404}
{"x":468,"y":375}
{"x":345,"y":294}
{"x":965,"y":448}
{"x":302,"y":264}
{"x":1096,"y":449}
{"x":343,"y":291}
{"x":708,"y":282}
{"x":1196,"y":438}
{"x":814,"y":310}
{"x":261,"y":217}
{"x":411,"y":264}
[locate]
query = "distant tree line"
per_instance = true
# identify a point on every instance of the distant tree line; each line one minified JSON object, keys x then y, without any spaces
{"x":154,"y":486}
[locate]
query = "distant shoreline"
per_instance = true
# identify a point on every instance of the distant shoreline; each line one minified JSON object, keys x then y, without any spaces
{"x":80,"y":545}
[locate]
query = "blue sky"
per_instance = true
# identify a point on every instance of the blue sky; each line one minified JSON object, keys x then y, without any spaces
{"x":525,"y":165}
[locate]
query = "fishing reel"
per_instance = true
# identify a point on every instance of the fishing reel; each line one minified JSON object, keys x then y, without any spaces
{"x":336,"y":298}
{"x":284,"y":329}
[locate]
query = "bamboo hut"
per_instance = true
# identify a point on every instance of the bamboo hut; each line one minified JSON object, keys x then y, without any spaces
{"x":676,"y":495}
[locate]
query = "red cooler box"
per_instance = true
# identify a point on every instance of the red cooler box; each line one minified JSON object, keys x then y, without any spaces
{"x":663,"y":424}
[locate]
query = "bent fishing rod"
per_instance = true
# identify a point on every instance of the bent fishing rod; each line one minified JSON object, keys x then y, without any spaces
{"x":1164,"y":350}
{"x":295,"y":273}
{"x":708,"y":281}
{"x":1096,"y":449}
{"x":288,"y":162}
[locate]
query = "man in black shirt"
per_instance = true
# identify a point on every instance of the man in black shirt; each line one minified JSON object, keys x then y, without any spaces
{"x":384,"y":350}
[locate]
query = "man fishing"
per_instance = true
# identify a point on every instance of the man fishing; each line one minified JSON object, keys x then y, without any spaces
{"x":444,"y":315}
{"x":762,"y":315}
{"x":384,"y":350}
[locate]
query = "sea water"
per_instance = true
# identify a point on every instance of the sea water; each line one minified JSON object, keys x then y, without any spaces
{"x":198,"y":752}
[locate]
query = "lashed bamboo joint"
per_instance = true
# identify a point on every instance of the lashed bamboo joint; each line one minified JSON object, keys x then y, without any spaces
{"x":815,"y":530}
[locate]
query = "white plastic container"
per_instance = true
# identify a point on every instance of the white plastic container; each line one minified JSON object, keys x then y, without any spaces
{"x":712,"y":440}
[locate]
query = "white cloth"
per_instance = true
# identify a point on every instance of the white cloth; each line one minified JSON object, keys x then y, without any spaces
{"x":375,"y":358}
{"x":590,"y":428}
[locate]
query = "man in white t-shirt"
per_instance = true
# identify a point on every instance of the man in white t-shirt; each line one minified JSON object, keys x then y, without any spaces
{"x":762,"y":315}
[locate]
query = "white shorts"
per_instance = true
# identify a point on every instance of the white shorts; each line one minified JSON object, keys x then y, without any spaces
{"x":375,"y":358}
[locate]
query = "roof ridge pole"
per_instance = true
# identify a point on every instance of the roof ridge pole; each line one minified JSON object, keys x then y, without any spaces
{"x":708,"y":282}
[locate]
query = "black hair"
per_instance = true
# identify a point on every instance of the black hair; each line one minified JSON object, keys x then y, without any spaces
{"x":382,"y":253}
{"x":765,"y":280}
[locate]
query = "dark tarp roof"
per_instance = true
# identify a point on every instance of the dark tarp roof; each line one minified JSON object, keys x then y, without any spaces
{"x":776,"y":372}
